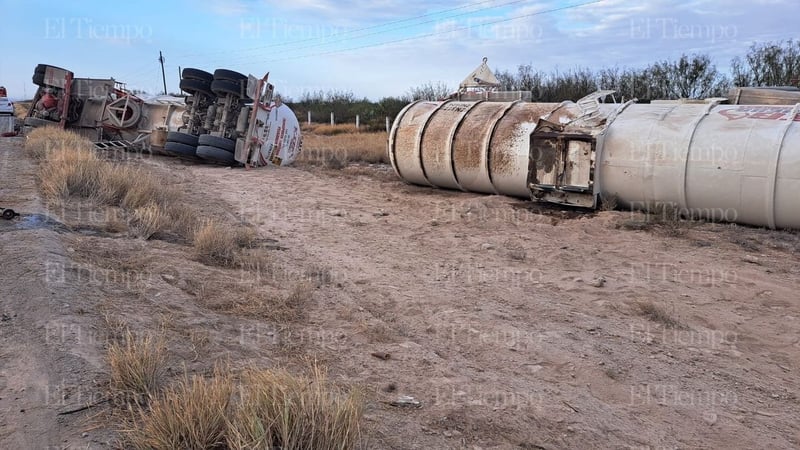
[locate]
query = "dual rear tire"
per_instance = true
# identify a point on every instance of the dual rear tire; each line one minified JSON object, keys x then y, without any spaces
{"x":38,"y":74}
{"x":222,"y":83}
{"x":210,"y":148}
{"x":181,"y":144}
{"x":216,"y":149}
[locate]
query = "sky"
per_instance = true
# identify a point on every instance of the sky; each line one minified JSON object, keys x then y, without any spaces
{"x":372,"y":49}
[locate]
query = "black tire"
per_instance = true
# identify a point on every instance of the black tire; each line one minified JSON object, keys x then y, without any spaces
{"x":195,"y":87}
{"x":197,"y":74}
{"x":176,"y":148}
{"x":38,"y":73}
{"x":38,"y":78}
{"x":230,"y":75}
{"x":225,"y":87}
{"x":182,"y":138}
{"x":215,"y":154}
{"x":215,"y":141}
{"x":9,"y":214}
{"x":41,"y":68}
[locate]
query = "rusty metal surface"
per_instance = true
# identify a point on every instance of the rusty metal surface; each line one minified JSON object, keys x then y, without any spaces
{"x":732,"y":163}
{"x":393,"y":136}
{"x":479,"y":147}
{"x":469,"y":147}
{"x":405,"y":151}
{"x":435,"y":146}
{"x":510,"y":147}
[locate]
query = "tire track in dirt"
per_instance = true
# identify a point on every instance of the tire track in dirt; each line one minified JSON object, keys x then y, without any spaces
{"x":493,"y":343}
{"x":50,"y":359}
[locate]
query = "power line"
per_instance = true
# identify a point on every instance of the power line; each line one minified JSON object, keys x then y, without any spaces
{"x":395,"y":41}
{"x":538,"y":13}
{"x":141,"y":70}
{"x":282,"y":44}
{"x":408,"y":26}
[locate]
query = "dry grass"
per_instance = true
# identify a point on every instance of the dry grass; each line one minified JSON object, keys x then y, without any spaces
{"x":281,"y":410}
{"x":190,"y":415}
{"x":21,"y":109}
{"x":215,"y":244}
{"x":335,"y":151}
{"x":115,"y":327}
{"x":149,"y":220}
{"x":608,"y":202}
{"x":66,"y":169}
{"x":184,"y":218}
{"x":254,"y":299}
{"x":138,"y":364}
{"x":668,"y":217}
{"x":49,"y":142}
{"x":256,"y":302}
{"x":322,"y":129}
{"x":256,"y":261}
{"x":658,"y":314}
{"x":69,"y":167}
{"x":245,"y":236}
{"x":143,"y":189}
{"x":272,"y":409}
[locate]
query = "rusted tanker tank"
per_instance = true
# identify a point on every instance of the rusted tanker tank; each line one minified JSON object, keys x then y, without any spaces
{"x":472,"y":146}
{"x":732,"y":163}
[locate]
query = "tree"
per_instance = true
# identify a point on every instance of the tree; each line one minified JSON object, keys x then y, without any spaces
{"x":692,"y":76}
{"x":768,"y":64}
{"x":429,"y":91}
{"x":569,"y":85}
{"x":508,"y":81}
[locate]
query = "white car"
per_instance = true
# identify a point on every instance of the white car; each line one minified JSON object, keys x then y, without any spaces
{"x":6,"y":106}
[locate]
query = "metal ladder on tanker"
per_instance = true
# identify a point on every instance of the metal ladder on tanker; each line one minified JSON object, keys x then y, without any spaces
{"x":590,"y":104}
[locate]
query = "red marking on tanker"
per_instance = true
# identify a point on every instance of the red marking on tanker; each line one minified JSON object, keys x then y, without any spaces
{"x":279,"y":138}
{"x":759,"y":112}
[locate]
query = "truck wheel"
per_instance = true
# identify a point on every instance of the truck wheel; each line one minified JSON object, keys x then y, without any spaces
{"x":226,"y":87}
{"x":176,"y":148}
{"x":215,"y":154}
{"x":230,"y":75}
{"x":38,"y":79}
{"x":41,"y":68}
{"x":215,"y":141}
{"x":182,"y":138}
{"x":197,"y":74}
{"x":195,"y":87}
{"x":38,"y":73}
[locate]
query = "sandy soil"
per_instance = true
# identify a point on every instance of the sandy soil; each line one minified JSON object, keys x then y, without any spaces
{"x":515,"y":326}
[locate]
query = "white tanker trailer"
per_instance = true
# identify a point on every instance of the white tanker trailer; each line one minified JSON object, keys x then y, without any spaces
{"x":735,"y":163}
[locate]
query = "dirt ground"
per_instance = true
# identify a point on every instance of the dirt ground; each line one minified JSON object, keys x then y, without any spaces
{"x":514,"y":325}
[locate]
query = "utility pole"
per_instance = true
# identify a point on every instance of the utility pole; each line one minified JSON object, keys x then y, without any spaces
{"x":163,"y":76}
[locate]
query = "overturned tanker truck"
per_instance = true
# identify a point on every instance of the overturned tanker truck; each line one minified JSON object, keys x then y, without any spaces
{"x":226,"y":118}
{"x":733,"y":163}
